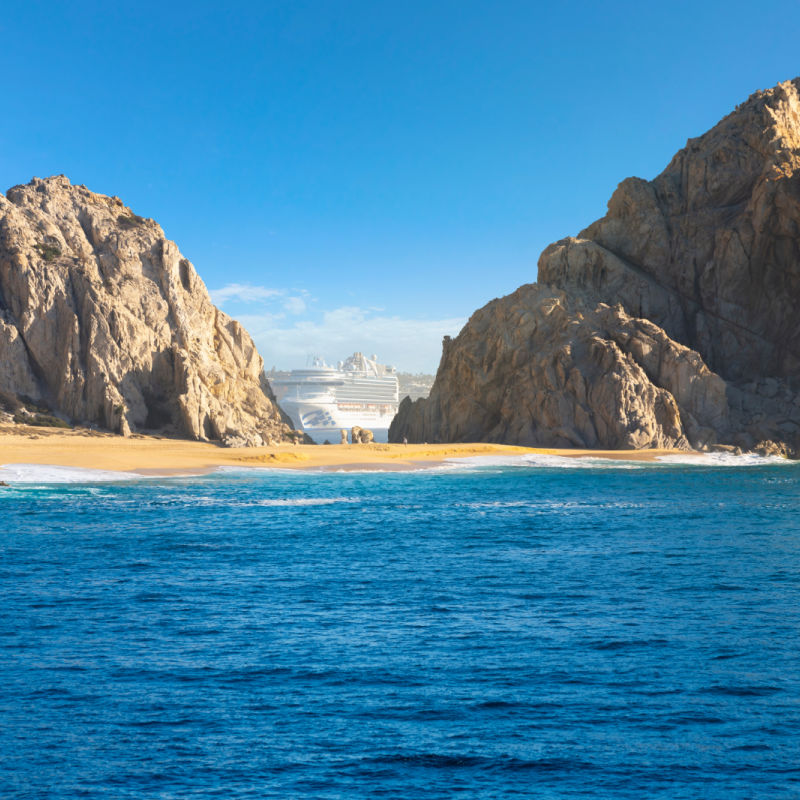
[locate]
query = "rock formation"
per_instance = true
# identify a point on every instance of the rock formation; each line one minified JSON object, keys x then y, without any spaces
{"x":672,"y":321}
{"x":104,"y":321}
{"x":360,"y":435}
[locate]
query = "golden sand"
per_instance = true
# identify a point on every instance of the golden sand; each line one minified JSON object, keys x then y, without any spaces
{"x":153,"y":455}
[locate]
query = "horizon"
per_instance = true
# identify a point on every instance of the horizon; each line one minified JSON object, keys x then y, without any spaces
{"x":367,"y":180}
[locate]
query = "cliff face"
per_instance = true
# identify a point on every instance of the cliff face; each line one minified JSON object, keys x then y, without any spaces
{"x":703,"y":261}
{"x":104,"y":321}
{"x":710,"y":249}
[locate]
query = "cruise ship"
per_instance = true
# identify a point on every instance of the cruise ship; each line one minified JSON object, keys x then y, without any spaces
{"x":322,"y":400}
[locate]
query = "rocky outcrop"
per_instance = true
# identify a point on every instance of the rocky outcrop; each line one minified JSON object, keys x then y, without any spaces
{"x":556,"y":370}
{"x":104,"y":321}
{"x":671,"y":321}
{"x":360,"y":435}
{"x":710,"y":249}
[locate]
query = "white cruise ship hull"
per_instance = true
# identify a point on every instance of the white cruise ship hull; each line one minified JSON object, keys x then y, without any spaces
{"x":325,"y":421}
{"x":322,"y":401}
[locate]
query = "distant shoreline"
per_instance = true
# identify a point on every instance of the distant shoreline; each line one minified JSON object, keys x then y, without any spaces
{"x":156,"y":456}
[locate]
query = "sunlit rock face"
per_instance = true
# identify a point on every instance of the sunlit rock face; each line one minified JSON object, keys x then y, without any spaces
{"x":103,"y":320}
{"x":676,"y":314}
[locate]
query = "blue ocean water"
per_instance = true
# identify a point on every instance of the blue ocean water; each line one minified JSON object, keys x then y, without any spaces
{"x":482,"y":632}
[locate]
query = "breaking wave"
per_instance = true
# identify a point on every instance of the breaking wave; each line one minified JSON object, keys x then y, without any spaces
{"x":46,"y":473}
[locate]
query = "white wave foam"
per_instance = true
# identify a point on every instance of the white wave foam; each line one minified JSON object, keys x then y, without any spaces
{"x":46,"y":473}
{"x":596,"y":462}
{"x":255,"y":471}
{"x":549,"y":461}
{"x":392,"y":470}
{"x":723,"y":460}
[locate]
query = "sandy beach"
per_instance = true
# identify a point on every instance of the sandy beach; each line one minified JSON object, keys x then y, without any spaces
{"x":149,"y":455}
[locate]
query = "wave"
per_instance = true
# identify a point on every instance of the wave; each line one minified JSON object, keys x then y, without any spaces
{"x":546,"y":461}
{"x":266,"y":469}
{"x":47,"y":473}
{"x":599,"y":462}
{"x":722,"y":460}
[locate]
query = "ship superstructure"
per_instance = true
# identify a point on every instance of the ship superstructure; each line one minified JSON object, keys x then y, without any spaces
{"x":322,"y":400}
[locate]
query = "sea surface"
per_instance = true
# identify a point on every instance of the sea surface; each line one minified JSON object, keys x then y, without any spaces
{"x":491,"y":629}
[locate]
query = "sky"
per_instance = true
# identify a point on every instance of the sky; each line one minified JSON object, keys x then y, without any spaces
{"x":364,"y":175}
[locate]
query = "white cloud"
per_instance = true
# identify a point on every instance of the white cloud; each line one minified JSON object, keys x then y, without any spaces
{"x":295,"y":305}
{"x":411,"y":345}
{"x":287,"y":329}
{"x":244,"y":293}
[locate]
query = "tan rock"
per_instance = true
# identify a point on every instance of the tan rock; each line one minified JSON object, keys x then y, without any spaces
{"x":103,"y":319}
{"x":359,"y":435}
{"x":366,"y":436}
{"x":671,"y":320}
{"x":543,"y":368}
{"x":709,"y":249}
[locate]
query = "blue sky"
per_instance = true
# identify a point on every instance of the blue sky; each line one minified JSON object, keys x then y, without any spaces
{"x":364,"y":175}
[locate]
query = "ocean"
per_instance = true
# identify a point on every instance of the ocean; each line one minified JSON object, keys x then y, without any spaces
{"x":493,"y":628}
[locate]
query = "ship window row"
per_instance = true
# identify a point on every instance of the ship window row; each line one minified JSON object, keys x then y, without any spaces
{"x":372,"y":397}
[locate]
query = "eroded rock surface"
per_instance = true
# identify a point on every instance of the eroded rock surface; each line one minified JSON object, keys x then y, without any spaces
{"x":103,"y":320}
{"x":360,"y":435}
{"x":671,"y":321}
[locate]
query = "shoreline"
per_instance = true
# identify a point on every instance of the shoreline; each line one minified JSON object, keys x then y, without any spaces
{"x":154,"y":456}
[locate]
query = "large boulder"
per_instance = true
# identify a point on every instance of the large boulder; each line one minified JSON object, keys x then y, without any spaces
{"x":359,"y":435}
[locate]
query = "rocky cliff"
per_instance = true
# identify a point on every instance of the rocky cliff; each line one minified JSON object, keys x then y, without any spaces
{"x":672,"y":321}
{"x":104,"y":321}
